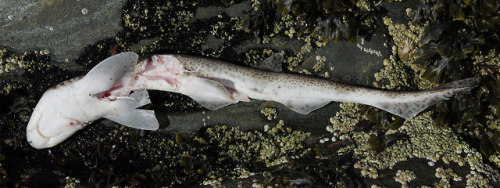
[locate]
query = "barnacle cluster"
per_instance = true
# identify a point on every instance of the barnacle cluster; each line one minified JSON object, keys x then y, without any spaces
{"x":268,"y":148}
{"x":384,"y":132}
{"x":404,"y":176}
{"x":211,"y":155}
{"x":446,"y":41}
{"x":24,"y":71}
{"x":447,"y":177}
{"x":423,"y":140}
{"x":270,"y":113}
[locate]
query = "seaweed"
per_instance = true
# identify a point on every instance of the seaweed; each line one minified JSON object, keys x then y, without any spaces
{"x":331,"y":20}
{"x":452,"y":47}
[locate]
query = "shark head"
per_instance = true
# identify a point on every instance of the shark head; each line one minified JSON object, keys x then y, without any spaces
{"x":57,"y":116}
{"x":103,"y":92}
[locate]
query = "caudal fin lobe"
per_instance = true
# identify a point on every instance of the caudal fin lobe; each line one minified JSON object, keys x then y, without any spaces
{"x":409,"y":104}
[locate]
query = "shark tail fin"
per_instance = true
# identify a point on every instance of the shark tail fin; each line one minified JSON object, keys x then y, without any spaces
{"x":409,"y":104}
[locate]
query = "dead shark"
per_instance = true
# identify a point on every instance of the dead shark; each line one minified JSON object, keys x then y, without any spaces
{"x":73,"y":104}
{"x":116,"y":87}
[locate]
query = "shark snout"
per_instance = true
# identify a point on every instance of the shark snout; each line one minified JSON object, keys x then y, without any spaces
{"x":40,"y":141}
{"x":45,"y":131}
{"x":33,"y":135}
{"x":37,"y":140}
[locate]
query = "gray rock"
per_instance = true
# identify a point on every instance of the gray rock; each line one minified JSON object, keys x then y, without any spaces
{"x":64,"y":28}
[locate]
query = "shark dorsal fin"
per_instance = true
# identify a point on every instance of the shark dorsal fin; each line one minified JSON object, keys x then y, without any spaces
{"x":272,"y":63}
{"x":113,"y":69}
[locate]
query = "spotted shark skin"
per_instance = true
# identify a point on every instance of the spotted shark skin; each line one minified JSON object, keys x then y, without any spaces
{"x":116,"y":87}
{"x":304,"y":94}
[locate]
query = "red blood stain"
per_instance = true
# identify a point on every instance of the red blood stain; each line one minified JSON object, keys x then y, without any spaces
{"x":107,"y":93}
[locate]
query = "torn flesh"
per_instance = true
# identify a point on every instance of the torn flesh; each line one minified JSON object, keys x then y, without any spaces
{"x":167,"y":73}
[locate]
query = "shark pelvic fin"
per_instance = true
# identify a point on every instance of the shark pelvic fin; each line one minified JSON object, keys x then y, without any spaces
{"x":208,"y":93}
{"x":127,"y":114}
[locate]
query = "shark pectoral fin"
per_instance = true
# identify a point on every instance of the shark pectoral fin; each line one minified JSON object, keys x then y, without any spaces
{"x":208,"y":93}
{"x":110,"y":71}
{"x":272,"y":63}
{"x":136,"y":118}
{"x":305,"y":106}
{"x":126,"y":113}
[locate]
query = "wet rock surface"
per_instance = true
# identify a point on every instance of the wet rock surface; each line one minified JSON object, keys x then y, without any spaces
{"x":254,"y":144}
{"x":64,"y":28}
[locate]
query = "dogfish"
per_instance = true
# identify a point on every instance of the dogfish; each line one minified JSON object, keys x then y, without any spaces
{"x":116,"y":88}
